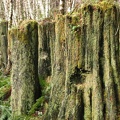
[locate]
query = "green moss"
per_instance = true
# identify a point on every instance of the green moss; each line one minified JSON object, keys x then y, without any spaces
{"x":25,"y":30}
{"x":75,"y":21}
{"x":76,"y":18}
{"x":12,"y":32}
{"x":42,"y":82}
{"x":103,"y":5}
{"x":60,"y":27}
{"x":25,"y":23}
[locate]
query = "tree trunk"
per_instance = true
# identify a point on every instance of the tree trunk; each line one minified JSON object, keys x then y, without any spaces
{"x":85,"y":79}
{"x":24,"y":78}
{"x":62,"y":7}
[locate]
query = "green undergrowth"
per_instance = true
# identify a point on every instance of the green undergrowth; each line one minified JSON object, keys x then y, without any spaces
{"x":39,"y":108}
{"x":5,"y":91}
{"x":5,"y":111}
{"x":39,"y":103}
{"x":44,"y":86}
{"x":4,"y":85}
{"x":23,"y":117}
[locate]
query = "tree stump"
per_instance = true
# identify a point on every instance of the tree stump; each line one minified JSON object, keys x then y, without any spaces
{"x":4,"y":44}
{"x":85,"y":79}
{"x":24,"y":78}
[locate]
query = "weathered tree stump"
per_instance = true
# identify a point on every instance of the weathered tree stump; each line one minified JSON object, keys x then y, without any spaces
{"x":3,"y":44}
{"x":46,"y":37}
{"x":24,"y":78}
{"x":85,"y":79}
{"x":44,"y":62}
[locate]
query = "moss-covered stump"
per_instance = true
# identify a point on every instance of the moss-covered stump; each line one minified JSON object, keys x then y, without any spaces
{"x":3,"y":44}
{"x":24,"y":78}
{"x":85,"y":80}
{"x":46,"y":35}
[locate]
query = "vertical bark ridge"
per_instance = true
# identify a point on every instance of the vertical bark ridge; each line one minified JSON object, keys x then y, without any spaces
{"x":108,"y":64}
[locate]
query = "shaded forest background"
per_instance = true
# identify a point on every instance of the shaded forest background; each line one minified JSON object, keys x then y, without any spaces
{"x":15,"y":11}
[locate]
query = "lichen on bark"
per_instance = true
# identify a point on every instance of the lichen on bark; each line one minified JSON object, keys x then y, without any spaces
{"x":24,"y":78}
{"x":85,"y":80}
{"x":3,"y":44}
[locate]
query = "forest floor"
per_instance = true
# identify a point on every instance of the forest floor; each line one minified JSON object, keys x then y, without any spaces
{"x":5,"y":92}
{"x":5,"y":97}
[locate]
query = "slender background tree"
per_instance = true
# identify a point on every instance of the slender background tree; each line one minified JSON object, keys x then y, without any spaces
{"x":17,"y":10}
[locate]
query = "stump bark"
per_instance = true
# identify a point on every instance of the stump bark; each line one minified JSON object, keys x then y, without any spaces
{"x":45,"y":34}
{"x":24,"y":78}
{"x":85,"y":80}
{"x":3,"y":44}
